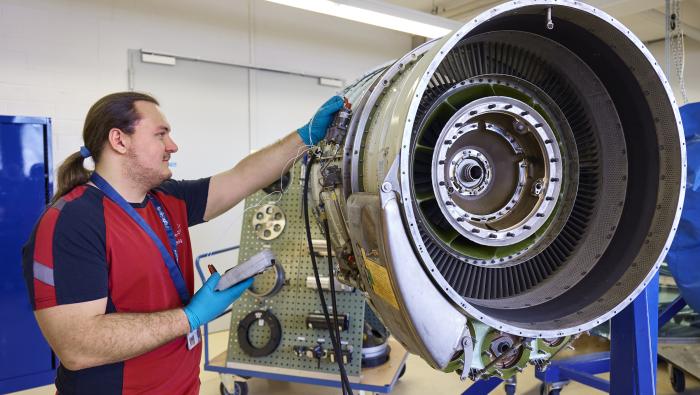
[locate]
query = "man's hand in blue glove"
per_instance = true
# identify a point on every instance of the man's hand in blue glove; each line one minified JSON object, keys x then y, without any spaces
{"x":315,"y":130}
{"x":207,"y":304}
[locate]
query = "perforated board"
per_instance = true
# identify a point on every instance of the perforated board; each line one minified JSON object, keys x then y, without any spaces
{"x":294,"y":301}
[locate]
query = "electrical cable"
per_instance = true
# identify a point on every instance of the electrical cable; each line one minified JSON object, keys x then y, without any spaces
{"x":331,"y":278}
{"x":336,"y":345}
{"x":336,"y":348}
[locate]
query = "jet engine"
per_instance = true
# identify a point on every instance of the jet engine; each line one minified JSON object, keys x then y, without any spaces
{"x":504,"y":188}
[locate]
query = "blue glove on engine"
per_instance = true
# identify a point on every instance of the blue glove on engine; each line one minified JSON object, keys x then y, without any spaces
{"x":315,"y":130}
{"x":207,"y":303}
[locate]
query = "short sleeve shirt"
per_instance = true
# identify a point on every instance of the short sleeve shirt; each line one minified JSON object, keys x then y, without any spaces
{"x":85,"y":247}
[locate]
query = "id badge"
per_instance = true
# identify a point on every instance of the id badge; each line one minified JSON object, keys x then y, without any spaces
{"x":193,"y":338}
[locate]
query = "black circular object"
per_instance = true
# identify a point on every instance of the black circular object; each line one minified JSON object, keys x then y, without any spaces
{"x":473,"y":173}
{"x":240,"y":388}
{"x":244,"y":333}
{"x":381,"y":359}
{"x":280,"y":185}
{"x":677,"y":379}
{"x":375,"y":348}
{"x":403,"y":371}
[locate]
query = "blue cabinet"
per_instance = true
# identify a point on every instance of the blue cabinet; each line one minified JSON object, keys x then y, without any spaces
{"x":26,"y":360}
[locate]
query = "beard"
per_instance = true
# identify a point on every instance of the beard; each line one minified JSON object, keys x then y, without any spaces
{"x":143,"y":175}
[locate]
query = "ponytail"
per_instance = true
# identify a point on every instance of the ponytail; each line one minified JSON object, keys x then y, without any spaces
{"x":71,"y":173}
{"x":112,"y":111}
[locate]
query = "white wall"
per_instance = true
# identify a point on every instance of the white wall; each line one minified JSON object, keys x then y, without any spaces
{"x":59,"y":56}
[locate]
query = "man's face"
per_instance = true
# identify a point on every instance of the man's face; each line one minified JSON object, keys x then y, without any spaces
{"x":150,"y":147}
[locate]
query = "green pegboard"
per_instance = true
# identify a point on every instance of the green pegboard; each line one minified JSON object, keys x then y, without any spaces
{"x":294,"y":301}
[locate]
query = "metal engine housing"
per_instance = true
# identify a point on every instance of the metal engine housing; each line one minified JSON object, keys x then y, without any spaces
{"x":521,"y":173}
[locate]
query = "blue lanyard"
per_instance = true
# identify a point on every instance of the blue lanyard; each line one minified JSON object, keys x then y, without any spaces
{"x":170,"y":263}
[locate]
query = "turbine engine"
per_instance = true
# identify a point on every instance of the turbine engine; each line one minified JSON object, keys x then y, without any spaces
{"x":500,"y":190}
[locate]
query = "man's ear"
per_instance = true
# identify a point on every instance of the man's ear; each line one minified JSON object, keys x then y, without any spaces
{"x":118,"y":140}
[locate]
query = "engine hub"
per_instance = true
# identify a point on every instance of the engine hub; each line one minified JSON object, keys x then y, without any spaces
{"x":497,"y":171}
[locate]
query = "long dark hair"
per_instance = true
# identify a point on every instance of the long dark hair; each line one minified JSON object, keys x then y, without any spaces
{"x":112,"y":111}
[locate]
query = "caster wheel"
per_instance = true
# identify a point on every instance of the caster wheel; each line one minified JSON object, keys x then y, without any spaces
{"x":677,"y":379}
{"x":402,"y":372}
{"x":553,"y":391}
{"x":239,"y":388}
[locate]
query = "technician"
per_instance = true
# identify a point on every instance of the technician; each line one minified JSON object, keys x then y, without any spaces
{"x":109,"y":264}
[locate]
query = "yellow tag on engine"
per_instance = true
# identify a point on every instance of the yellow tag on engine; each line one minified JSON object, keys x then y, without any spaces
{"x":381,"y":285}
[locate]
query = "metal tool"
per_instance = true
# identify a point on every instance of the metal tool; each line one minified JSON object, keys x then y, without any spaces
{"x":257,"y":264}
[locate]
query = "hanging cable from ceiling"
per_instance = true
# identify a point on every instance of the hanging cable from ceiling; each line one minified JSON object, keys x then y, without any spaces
{"x":675,"y":49}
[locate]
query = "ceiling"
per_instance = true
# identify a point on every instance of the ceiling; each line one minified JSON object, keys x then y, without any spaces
{"x":644,"y":17}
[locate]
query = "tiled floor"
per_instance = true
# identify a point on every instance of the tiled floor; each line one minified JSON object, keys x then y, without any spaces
{"x":419,"y":379}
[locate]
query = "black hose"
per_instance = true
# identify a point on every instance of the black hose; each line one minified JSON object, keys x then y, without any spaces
{"x":336,"y":344}
{"x":331,"y":278}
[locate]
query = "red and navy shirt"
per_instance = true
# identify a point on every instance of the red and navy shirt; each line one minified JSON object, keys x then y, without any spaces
{"x":85,"y":247}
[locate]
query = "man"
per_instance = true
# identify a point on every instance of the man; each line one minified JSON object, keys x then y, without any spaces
{"x":109,"y":264}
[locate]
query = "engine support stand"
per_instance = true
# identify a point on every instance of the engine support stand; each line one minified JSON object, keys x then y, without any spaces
{"x":631,"y":360}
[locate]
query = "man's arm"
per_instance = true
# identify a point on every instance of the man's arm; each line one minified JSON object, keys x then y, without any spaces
{"x":262,"y":168}
{"x":83,"y":336}
{"x":254,"y":172}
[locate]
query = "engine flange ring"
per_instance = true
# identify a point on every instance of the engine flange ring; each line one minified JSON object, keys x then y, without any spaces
{"x":497,"y":121}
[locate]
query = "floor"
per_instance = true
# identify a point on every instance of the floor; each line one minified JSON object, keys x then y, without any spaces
{"x":419,"y":378}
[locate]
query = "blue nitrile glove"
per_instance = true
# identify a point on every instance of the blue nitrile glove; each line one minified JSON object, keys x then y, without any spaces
{"x":207,"y":303}
{"x":315,"y":130}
